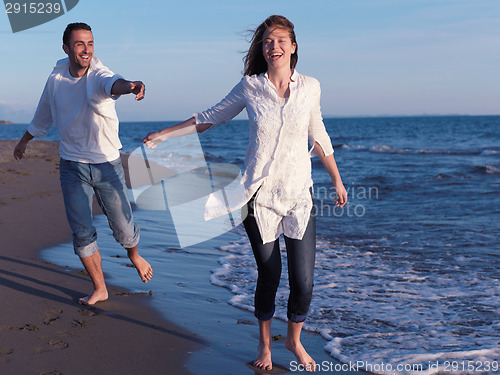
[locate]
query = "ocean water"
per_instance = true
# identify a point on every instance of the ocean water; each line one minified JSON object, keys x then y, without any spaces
{"x":407,"y":274}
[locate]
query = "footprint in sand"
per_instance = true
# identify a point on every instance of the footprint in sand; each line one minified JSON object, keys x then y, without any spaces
{"x":87,"y":312}
{"x":77,"y":323}
{"x":53,"y":344}
{"x":51,"y":316}
{"x":15,"y":171}
{"x":50,"y":372}
{"x":127,"y":294}
{"x":4,"y":352}
{"x":246,"y":322}
{"x":26,"y":327}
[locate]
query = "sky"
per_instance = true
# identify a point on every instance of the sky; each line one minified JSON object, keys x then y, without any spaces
{"x":372,"y":57}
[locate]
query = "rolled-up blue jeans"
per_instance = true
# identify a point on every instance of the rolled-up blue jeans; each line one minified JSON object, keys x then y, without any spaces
{"x":301,"y":256}
{"x":79,"y":182}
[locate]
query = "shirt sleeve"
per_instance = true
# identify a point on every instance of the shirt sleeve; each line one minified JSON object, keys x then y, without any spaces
{"x":226,"y":109}
{"x":105,"y":79}
{"x":42,"y":120}
{"x":317,"y":132}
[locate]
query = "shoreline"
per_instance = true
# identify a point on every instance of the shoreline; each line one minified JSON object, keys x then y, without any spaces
{"x":43,"y":329}
{"x":182,"y":291}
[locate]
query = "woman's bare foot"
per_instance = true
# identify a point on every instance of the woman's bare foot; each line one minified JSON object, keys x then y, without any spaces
{"x":143,"y":268}
{"x":97,"y":296}
{"x":302,"y":357}
{"x":263,"y":359}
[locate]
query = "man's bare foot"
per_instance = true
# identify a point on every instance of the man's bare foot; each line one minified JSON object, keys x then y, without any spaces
{"x":97,"y":296}
{"x":302,"y":357}
{"x":143,"y":268}
{"x":263,"y":359}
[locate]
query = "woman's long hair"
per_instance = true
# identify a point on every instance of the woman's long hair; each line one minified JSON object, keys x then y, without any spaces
{"x":254,"y":60}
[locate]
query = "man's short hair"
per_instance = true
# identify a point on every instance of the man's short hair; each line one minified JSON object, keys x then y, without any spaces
{"x":71,"y":27}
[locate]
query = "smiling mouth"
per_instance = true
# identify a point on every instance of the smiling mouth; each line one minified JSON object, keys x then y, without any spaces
{"x":275,"y":56}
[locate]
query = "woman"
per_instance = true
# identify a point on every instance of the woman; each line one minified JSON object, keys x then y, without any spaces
{"x":284,"y":114}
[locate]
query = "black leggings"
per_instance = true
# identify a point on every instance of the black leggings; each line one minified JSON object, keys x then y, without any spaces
{"x":301,"y":257}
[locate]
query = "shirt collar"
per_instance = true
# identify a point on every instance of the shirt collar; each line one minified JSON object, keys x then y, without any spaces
{"x":294,"y":76}
{"x":95,"y":64}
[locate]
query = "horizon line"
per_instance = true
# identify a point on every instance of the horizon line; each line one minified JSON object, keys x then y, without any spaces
{"x":8,"y":122}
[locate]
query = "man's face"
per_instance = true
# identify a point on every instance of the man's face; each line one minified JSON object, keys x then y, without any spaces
{"x":80,"y":49}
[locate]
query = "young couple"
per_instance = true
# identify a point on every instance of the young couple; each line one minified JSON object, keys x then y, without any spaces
{"x":283,"y":107}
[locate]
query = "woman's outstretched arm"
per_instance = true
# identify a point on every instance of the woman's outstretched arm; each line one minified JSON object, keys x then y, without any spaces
{"x":187,"y":127}
{"x":221,"y":113}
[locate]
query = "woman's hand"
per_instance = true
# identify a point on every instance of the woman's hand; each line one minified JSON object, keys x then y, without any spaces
{"x":331,"y":167}
{"x":153,"y":139}
{"x":341,"y":195}
{"x":184,"y":128}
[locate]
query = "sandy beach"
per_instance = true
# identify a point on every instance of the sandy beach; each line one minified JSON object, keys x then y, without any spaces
{"x":42,"y":329}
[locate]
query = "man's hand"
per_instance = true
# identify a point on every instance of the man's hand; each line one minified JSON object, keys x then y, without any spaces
{"x":138,"y":88}
{"x":123,"y":87}
{"x":19,"y":150}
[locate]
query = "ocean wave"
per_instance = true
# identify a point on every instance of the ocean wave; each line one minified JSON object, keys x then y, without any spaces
{"x":445,"y":362}
{"x":424,"y":151}
{"x":378,"y":306}
{"x":391,"y":150}
{"x":348,"y":146}
{"x":491,"y":151}
{"x":443,"y":176}
{"x":486,"y":169}
{"x":458,"y":176}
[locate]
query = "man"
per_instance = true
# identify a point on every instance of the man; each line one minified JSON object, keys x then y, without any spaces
{"x":79,"y":98}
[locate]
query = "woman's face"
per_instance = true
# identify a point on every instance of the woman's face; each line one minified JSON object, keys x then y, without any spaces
{"x":277,"y":48}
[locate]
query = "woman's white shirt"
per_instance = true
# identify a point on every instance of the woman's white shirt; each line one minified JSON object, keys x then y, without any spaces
{"x":278,"y":154}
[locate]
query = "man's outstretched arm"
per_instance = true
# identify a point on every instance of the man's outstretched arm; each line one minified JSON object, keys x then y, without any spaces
{"x":122,"y":87}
